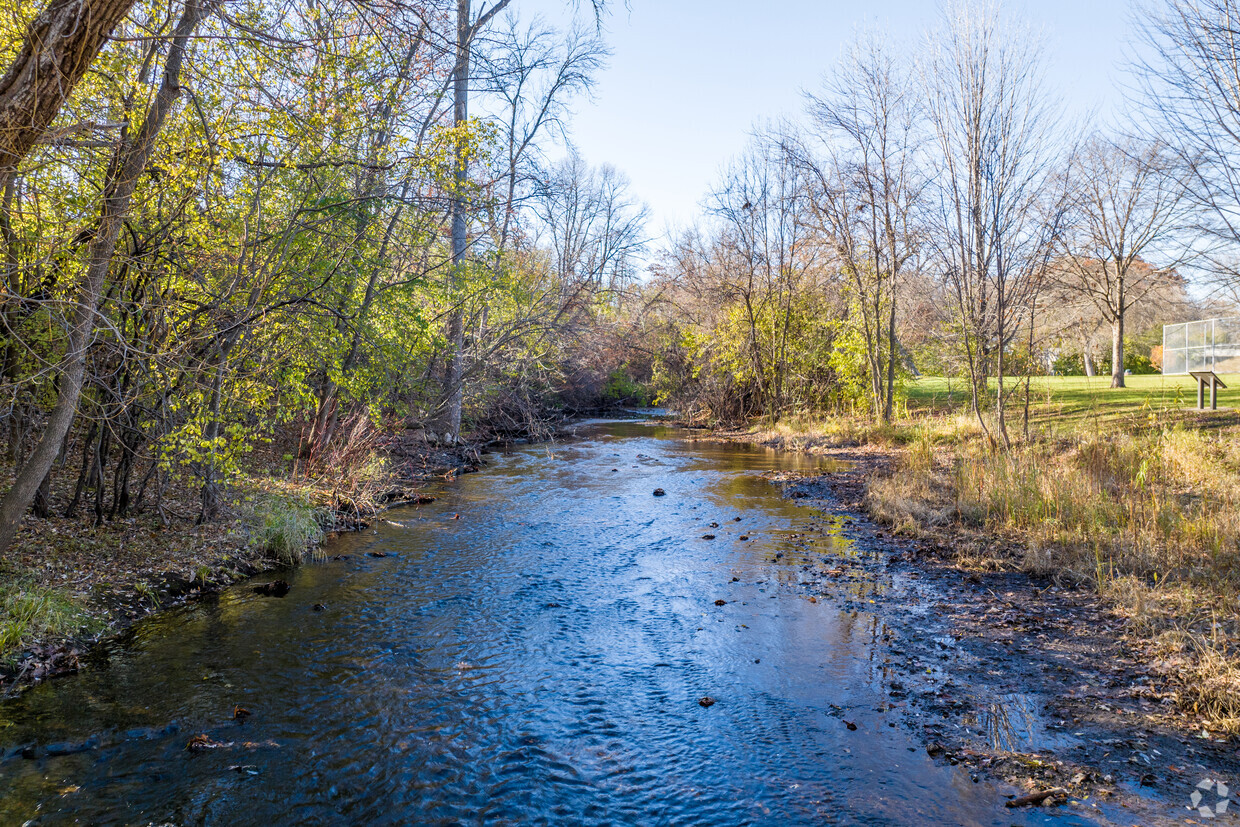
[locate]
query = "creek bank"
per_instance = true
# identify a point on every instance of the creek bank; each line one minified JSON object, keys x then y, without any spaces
{"x":120,"y":571}
{"x":1022,"y":680}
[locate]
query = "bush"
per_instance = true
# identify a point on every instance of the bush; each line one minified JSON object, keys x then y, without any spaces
{"x":622,"y":389}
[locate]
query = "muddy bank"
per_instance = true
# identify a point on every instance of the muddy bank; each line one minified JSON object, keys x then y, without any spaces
{"x":1013,"y":676}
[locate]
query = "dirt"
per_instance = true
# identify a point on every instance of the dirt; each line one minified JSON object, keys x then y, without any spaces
{"x":1022,"y":681}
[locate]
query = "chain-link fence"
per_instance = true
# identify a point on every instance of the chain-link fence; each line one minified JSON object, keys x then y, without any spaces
{"x":1210,"y":344}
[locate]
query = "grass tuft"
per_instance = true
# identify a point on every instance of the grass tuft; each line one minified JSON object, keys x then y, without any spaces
{"x":286,"y":528}
{"x":28,"y":610}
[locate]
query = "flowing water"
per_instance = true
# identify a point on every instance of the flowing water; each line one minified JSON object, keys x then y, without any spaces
{"x":538,"y":660}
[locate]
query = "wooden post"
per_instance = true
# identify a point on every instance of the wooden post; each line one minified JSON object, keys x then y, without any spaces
{"x":1203,"y":377}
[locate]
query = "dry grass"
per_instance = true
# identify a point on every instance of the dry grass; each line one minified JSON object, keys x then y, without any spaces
{"x":850,"y":431}
{"x":1151,"y":520}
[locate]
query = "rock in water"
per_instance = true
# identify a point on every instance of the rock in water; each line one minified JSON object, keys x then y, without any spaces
{"x":276,"y":588}
{"x":706,"y":701}
{"x":204,"y":742}
{"x":659,"y":492}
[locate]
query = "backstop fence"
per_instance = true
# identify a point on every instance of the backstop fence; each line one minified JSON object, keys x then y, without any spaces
{"x":1209,"y":344}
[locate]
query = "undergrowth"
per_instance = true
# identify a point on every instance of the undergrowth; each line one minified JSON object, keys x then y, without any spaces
{"x":28,"y":610}
{"x":287,"y":528}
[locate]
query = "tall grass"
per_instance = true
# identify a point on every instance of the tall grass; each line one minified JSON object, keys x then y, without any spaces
{"x":286,"y":528}
{"x":1150,"y":520}
{"x":799,"y":430}
{"x":28,"y":610}
{"x":1165,"y":504}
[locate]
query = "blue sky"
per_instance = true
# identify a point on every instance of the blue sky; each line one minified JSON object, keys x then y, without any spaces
{"x":689,"y":79}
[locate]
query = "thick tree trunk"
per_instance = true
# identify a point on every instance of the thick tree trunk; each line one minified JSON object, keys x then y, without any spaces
{"x":454,"y":374}
{"x":128,"y":164}
{"x":891,"y":358}
{"x":1117,"y":341}
{"x":59,"y":47}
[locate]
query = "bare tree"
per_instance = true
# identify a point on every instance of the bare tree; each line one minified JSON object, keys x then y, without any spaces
{"x":765,"y":250}
{"x":1187,"y":83}
{"x":535,"y":71}
{"x":468,"y":29}
{"x":1126,"y":205}
{"x":867,"y":190}
{"x":594,"y":227}
{"x":993,"y":127}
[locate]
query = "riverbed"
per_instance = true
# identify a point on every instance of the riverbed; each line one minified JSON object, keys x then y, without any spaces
{"x":546,"y":643}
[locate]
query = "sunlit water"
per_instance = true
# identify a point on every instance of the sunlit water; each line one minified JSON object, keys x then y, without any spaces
{"x":538,"y":660}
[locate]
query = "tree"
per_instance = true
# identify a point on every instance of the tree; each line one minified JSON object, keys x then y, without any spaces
{"x":992,"y":127}
{"x":129,"y":162}
{"x":1187,"y":85}
{"x":468,"y":30}
{"x":1125,"y":202}
{"x":533,"y":73}
{"x":766,"y":249}
{"x":58,"y":48}
{"x":593,"y":228}
{"x":867,"y":192}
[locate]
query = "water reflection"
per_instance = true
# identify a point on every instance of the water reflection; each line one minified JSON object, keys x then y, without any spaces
{"x":1013,"y":723}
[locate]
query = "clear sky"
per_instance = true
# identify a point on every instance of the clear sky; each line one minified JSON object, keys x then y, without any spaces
{"x":689,"y":79}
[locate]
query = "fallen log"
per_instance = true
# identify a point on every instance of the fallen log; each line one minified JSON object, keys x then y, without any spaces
{"x":1034,"y":799}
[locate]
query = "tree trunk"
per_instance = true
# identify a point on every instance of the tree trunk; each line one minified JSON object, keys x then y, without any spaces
{"x":128,"y":163}
{"x":59,"y":47}
{"x":891,"y":356}
{"x":1117,"y":342}
{"x":454,"y":373}
{"x":1117,"y":354}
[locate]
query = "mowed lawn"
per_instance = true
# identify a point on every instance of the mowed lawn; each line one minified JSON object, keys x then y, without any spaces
{"x":1083,"y":401}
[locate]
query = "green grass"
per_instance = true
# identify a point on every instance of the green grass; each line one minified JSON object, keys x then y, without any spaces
{"x":285,"y":528}
{"x":1076,"y":402}
{"x":28,"y":610}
